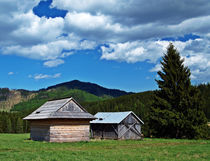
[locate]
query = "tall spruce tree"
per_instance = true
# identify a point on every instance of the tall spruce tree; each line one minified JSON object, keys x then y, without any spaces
{"x":176,"y":111}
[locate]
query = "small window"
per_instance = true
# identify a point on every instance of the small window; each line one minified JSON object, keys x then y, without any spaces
{"x":37,"y":112}
{"x":100,"y":118}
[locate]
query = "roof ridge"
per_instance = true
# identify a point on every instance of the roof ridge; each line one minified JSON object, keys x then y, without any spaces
{"x":116,"y":112}
{"x":59,"y":99}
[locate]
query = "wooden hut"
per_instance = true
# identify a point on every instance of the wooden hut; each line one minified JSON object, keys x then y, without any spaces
{"x":62,"y":120}
{"x":116,"y":125}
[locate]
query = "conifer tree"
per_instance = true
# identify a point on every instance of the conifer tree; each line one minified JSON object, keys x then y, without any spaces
{"x":176,"y":111}
{"x":9,"y":125}
{"x":19,"y":126}
{"x":1,"y":124}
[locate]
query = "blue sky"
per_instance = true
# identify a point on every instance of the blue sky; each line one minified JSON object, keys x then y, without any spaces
{"x":116,"y":44}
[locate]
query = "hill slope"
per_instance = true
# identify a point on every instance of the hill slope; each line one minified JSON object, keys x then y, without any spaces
{"x":90,"y":88}
{"x":9,"y":98}
{"x":141,"y":102}
{"x":57,"y":93}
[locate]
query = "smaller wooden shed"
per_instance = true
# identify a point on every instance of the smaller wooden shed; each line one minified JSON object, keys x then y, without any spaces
{"x":62,"y":120}
{"x":116,"y":125}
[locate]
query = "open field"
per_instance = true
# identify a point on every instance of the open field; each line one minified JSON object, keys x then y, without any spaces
{"x":17,"y":147}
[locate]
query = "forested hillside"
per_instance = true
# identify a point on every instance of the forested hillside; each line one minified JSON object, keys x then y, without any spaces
{"x":8,"y":98}
{"x":56,"y":93}
{"x":21,"y":102}
{"x":90,"y":88}
{"x":139,"y":103}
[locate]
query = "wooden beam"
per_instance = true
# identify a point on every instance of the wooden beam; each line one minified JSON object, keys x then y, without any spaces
{"x":127,"y":129}
{"x":115,"y":130}
{"x":121,"y":127}
{"x":91,"y":133}
{"x":134,"y":130}
{"x":138,"y":131}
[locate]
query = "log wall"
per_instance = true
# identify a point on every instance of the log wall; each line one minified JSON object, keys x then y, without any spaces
{"x":60,"y":130}
{"x":40,"y":132}
{"x":68,"y":133}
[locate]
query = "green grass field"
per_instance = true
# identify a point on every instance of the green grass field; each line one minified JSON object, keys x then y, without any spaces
{"x":18,"y":147}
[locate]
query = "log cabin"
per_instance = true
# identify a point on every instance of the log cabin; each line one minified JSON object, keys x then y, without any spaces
{"x":63,"y":120}
{"x":116,"y":125}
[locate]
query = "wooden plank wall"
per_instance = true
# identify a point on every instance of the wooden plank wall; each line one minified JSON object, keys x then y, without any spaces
{"x":58,"y":130}
{"x":129,"y":128}
{"x":69,"y":133}
{"x":110,"y":131}
{"x":96,"y":131}
{"x":126,"y":133}
{"x":104,"y":131}
{"x":40,"y":132}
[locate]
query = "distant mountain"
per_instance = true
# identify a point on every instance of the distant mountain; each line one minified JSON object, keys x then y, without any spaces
{"x":56,"y":93}
{"x":90,"y":88}
{"x":82,"y":91}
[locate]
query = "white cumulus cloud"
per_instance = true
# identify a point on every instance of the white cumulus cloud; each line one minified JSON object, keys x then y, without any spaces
{"x":136,"y":51}
{"x":45,"y":76}
{"x":50,"y":50}
{"x":10,"y":73}
{"x":132,"y":31}
{"x":53,"y":63}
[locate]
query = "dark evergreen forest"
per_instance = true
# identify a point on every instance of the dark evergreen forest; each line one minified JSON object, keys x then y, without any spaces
{"x":12,"y":122}
{"x":138,"y":103}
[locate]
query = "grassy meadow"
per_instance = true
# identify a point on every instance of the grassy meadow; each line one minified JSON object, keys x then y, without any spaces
{"x":18,"y":147}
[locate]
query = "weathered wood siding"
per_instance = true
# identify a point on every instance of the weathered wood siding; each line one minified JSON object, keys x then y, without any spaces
{"x":71,"y":106}
{"x":128,"y":132}
{"x":40,"y":132}
{"x":58,"y":130}
{"x":105,"y":131}
{"x":96,"y":131}
{"x":129,"y":128}
{"x":69,"y":133}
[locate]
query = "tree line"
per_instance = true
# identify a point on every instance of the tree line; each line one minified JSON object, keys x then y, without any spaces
{"x":13,"y":123}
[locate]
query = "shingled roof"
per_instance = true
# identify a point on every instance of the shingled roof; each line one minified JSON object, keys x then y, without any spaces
{"x":63,"y":108}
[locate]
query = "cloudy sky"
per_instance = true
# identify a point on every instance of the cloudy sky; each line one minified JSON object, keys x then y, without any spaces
{"x":115,"y":43}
